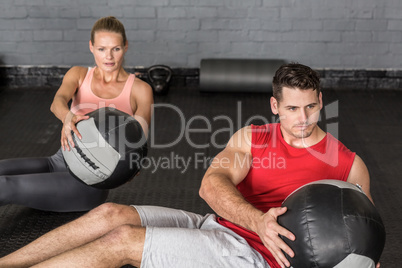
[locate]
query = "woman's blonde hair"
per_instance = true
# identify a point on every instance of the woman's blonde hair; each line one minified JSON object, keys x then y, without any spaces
{"x":108,"y":24}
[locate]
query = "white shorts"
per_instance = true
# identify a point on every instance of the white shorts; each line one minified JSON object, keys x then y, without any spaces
{"x":176,"y":238}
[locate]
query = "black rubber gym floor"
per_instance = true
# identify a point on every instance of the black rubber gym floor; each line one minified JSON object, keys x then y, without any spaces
{"x":368,"y":122}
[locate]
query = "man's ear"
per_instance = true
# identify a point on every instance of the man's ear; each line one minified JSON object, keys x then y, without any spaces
{"x":320,"y":99}
{"x":274,"y":105}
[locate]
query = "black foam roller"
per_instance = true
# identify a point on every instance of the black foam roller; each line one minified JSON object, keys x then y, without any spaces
{"x":238,"y":75}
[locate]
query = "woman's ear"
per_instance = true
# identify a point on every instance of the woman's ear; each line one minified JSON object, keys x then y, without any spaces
{"x":126,"y":47}
{"x":91,"y":47}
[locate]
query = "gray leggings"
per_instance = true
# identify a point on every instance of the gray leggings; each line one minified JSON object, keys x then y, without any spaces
{"x":45,"y":183}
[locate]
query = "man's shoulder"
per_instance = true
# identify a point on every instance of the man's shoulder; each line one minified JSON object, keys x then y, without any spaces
{"x":336,"y":142}
{"x":264,"y":128}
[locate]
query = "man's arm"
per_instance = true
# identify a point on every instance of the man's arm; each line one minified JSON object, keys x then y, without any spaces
{"x":218,"y":189}
{"x":228,"y":169}
{"x":359,"y":175}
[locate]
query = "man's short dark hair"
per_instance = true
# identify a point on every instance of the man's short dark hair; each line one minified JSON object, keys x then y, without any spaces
{"x":295,"y":75}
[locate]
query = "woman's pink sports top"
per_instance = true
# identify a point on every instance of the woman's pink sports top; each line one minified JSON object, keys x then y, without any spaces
{"x":85,"y":101}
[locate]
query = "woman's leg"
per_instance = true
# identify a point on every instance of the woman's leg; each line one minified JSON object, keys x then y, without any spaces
{"x":24,"y":166}
{"x":57,"y":191}
{"x":45,"y":184}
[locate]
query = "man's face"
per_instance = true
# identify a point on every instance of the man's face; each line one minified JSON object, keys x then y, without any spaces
{"x":298,"y":111}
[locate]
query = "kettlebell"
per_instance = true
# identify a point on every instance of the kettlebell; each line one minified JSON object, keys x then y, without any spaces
{"x":159,"y":77}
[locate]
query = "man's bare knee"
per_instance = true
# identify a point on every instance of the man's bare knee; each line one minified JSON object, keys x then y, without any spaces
{"x":117,"y":214}
{"x":128,"y":240}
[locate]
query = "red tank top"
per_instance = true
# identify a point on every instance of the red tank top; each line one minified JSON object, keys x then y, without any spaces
{"x":85,"y":101}
{"x":278,"y":169}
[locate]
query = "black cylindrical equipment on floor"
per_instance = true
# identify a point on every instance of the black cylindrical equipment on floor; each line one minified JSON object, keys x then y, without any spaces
{"x":238,"y":75}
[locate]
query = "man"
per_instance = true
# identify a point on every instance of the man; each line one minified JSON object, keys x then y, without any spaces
{"x":239,"y":185}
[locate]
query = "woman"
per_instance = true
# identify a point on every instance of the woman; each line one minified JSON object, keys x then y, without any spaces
{"x":45,"y":183}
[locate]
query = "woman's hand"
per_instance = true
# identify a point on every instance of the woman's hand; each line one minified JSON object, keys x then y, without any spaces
{"x":69,"y":126}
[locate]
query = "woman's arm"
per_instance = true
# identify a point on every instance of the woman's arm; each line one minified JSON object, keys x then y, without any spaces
{"x":59,"y":107}
{"x":142,"y":99}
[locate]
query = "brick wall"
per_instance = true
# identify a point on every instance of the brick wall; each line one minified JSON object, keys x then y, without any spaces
{"x":341,"y":34}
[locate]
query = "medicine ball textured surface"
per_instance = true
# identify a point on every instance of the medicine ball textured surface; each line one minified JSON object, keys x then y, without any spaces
{"x":335,"y":225}
{"x":111,"y":149}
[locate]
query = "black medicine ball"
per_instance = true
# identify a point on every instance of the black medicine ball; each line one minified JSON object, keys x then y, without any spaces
{"x":335,"y":225}
{"x":110,"y":152}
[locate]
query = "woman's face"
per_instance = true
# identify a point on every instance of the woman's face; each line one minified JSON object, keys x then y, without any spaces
{"x":108,"y":50}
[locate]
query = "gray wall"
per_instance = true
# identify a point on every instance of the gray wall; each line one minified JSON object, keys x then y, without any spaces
{"x":341,"y":34}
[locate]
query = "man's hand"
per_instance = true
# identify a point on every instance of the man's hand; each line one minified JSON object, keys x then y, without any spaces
{"x":69,"y":125}
{"x":269,"y":231}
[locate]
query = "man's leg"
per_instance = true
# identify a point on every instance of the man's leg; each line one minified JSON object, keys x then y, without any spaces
{"x":90,"y":227}
{"x":122,"y":246}
{"x":181,"y":239}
